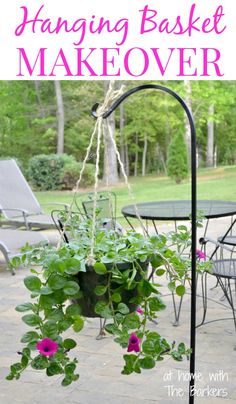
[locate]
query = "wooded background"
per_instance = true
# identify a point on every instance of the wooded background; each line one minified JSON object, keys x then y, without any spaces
{"x":54,"y":117}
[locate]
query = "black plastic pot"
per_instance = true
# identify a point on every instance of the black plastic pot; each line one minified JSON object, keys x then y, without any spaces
{"x":90,"y":279}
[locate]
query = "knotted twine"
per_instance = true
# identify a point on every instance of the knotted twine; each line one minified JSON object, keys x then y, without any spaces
{"x":110,"y":97}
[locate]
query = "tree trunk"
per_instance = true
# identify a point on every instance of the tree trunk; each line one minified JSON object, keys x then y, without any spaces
{"x":167,"y":121}
{"x":160,"y":156}
{"x":144,"y":156}
{"x":60,"y":117}
{"x":136,"y":156}
{"x":110,"y":173}
{"x":188,"y":99}
{"x":215,"y":157}
{"x":122,"y":142}
{"x":127,"y":158}
{"x":210,"y":138}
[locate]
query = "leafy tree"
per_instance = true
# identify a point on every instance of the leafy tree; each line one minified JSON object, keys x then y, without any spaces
{"x":177,"y":161}
{"x":144,"y":126}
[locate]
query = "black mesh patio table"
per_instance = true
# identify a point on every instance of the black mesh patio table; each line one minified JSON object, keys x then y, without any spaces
{"x":176,"y":210}
{"x":179,"y":210}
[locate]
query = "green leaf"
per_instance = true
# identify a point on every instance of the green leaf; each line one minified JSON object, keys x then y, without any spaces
{"x":10,"y":376}
{"x":69,"y":343}
{"x":32,"y":346}
{"x":26,"y":352}
{"x":72,"y":266}
{"x":78,"y":324}
{"x":147,"y":363}
{"x":156,"y":304}
{"x":153,"y":336}
{"x":65,"y":325}
{"x":131,"y":279}
{"x":46,"y":301}
{"x":182,"y":228}
{"x":40,"y":362}
{"x":116,"y":297}
{"x":171,"y":286}
{"x":54,"y":369}
{"x":100,"y":268}
{"x":156,"y":262}
{"x":24,"y":361}
{"x":57,"y":282}
{"x":15,"y":262}
{"x":67,"y":381}
{"x":30,"y":336}
{"x":71,"y":288}
{"x":102,"y":308}
{"x":57,"y":265}
{"x":131,"y":321}
{"x":180,"y":290}
{"x":181,"y":348}
{"x":70,"y":368}
{"x":50,"y":329}
{"x":73,"y":310}
{"x":16,"y":367}
{"x":100,"y":290}
{"x":112,"y":329}
{"x":148,"y":346}
{"x":24,"y":307}
{"x":123,"y":308}
{"x":31,"y":319}
{"x":176,"y":356}
{"x":145,"y":288}
{"x":32,"y":283}
{"x":46,"y":290}
{"x":129,"y":364}
{"x":54,"y":314}
{"x":58,"y":297}
{"x":160,"y":272}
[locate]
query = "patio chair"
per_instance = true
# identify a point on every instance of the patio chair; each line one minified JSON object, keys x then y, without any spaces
{"x":12,"y":241}
{"x":228,"y":239}
{"x":224,"y":270}
{"x":106,"y":208}
{"x":106,"y":204}
{"x":18,"y":204}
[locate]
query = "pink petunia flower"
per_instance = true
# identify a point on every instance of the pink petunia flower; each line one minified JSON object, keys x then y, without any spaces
{"x":47,"y":347}
{"x":139,"y":310}
{"x":134,"y":343}
{"x":200,"y":255}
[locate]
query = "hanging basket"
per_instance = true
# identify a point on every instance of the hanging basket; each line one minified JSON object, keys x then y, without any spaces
{"x":90,"y":279}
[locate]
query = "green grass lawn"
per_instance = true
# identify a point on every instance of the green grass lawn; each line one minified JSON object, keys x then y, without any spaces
{"x":219,"y":183}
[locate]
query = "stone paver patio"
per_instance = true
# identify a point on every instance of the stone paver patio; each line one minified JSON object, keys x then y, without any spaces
{"x":100,"y":362}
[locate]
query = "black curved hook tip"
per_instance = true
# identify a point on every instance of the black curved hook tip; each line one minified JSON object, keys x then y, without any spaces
{"x":94,"y":110}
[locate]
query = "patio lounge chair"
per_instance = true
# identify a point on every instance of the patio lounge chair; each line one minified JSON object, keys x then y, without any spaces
{"x":18,"y":204}
{"x":12,"y":241}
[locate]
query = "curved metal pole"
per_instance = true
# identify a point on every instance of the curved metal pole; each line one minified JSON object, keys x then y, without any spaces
{"x":193,"y":209}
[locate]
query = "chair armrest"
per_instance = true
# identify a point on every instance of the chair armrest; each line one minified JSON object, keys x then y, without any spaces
{"x":205,"y":240}
{"x":23,"y":211}
{"x":4,"y":249}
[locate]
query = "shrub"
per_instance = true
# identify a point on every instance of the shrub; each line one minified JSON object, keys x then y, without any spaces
{"x":67,"y":159}
{"x":49,"y":172}
{"x":45,"y":171}
{"x":177,"y":159}
{"x":70,"y":175}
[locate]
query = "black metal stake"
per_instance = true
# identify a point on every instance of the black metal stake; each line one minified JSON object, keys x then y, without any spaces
{"x":193,"y":211}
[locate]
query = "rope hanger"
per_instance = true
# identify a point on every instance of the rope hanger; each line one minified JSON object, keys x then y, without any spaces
{"x":97,"y":136}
